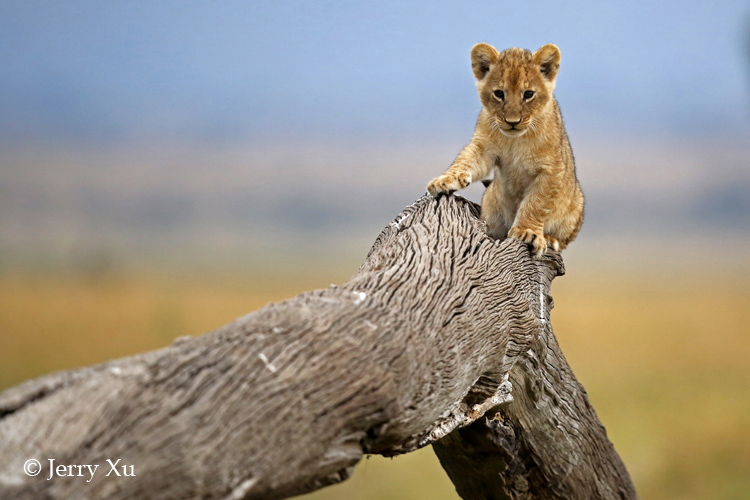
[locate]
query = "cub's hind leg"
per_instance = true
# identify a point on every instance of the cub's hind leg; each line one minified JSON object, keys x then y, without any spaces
{"x":572,"y":222}
{"x":553,"y":243}
{"x":492,"y":214}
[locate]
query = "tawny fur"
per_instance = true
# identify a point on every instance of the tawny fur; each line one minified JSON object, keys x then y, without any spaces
{"x":535,"y":195}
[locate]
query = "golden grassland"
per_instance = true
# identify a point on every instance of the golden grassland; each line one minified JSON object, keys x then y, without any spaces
{"x":663,"y":355}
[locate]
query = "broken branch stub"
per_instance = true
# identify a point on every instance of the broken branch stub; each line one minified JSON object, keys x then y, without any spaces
{"x":442,"y":337}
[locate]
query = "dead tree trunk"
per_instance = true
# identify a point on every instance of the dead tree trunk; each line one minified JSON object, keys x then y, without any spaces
{"x":442,"y":337}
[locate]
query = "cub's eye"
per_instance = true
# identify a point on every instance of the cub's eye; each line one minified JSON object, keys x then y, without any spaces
{"x":499,"y":94}
{"x":528,"y":94}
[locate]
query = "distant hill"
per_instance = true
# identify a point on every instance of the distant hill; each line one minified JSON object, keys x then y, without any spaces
{"x":271,"y":198}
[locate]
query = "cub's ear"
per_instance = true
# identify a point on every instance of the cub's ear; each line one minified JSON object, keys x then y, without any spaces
{"x":482,"y":57}
{"x":548,"y":59}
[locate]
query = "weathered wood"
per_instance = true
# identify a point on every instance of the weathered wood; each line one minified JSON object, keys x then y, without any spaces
{"x":547,"y":444}
{"x":441,"y":337}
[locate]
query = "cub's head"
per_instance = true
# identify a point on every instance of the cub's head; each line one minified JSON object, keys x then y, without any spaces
{"x":515,"y":86}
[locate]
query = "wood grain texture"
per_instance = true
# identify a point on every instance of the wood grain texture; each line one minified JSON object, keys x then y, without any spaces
{"x":442,"y":337}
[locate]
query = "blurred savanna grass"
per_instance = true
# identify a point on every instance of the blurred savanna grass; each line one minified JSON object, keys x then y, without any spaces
{"x":663,"y":355}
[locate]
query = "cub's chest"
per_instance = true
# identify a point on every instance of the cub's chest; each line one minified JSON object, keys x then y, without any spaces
{"x":516,"y":171}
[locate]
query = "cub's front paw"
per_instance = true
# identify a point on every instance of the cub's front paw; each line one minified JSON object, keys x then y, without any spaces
{"x":534,"y":238}
{"x":447,"y":183}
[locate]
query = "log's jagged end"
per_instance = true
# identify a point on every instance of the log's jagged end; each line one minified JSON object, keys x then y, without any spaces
{"x":442,"y":337}
{"x":457,"y":208}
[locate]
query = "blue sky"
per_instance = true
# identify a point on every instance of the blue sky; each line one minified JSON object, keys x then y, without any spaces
{"x":82,"y":71}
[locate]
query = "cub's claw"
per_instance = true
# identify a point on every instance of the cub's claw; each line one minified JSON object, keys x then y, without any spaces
{"x":534,"y":238}
{"x":447,"y":183}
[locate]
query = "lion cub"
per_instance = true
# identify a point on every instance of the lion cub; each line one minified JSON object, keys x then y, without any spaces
{"x":535,"y":195}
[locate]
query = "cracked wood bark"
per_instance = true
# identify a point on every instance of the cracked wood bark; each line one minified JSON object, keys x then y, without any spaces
{"x":442,"y":337}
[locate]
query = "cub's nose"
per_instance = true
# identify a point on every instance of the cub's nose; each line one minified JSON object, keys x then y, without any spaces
{"x":512,"y":123}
